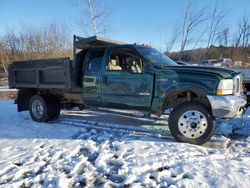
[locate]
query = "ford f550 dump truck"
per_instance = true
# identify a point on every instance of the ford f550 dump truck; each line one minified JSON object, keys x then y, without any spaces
{"x":106,"y":73}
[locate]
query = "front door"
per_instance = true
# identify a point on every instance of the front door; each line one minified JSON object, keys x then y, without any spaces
{"x":125,"y":84}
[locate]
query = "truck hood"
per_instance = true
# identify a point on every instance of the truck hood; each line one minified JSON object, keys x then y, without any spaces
{"x":219,"y":72}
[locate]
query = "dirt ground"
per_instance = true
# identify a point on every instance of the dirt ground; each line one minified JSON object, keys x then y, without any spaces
{"x":8,"y":95}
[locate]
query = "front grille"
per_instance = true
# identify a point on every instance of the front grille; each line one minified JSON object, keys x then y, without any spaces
{"x":238,"y":85}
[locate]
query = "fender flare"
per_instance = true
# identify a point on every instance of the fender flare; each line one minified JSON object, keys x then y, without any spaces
{"x":197,"y":91}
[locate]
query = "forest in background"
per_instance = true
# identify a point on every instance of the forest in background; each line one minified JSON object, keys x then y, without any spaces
{"x":48,"y":41}
{"x":205,"y":33}
{"x":239,"y":55}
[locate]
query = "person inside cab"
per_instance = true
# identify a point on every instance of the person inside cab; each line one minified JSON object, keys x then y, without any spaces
{"x":113,"y":64}
{"x":135,"y":68}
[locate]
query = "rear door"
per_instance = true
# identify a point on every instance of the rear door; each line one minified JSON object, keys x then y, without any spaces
{"x":125,"y":84}
{"x":92,"y":77}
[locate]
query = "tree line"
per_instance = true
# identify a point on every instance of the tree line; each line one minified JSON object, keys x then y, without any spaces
{"x":46,"y":41}
{"x":209,"y":27}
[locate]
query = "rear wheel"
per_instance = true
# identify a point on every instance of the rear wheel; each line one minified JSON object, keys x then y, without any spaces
{"x":191,"y":122}
{"x":39,"y":108}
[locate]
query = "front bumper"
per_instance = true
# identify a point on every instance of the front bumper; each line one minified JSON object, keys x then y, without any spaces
{"x":227,"y":106}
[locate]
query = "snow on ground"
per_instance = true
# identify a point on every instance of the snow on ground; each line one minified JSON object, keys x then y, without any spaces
{"x":6,"y":88}
{"x":66,"y":154}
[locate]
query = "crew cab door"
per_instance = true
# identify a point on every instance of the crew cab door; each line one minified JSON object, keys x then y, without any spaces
{"x":92,"y":77}
{"x":125,"y":83}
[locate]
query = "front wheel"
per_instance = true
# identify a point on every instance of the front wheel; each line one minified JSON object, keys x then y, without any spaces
{"x":191,"y":122}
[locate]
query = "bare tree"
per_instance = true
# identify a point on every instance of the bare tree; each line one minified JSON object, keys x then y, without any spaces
{"x":222,"y":37}
{"x":225,"y":33}
{"x":92,"y":16}
{"x":51,"y":37}
{"x":174,"y":37}
{"x":216,"y":21}
{"x":3,"y":58}
{"x":192,"y":20}
{"x":12,"y":42}
{"x":95,"y":17}
{"x":241,"y":37}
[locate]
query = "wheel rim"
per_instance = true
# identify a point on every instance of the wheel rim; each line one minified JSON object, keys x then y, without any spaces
{"x":37,"y":109}
{"x":192,"y":124}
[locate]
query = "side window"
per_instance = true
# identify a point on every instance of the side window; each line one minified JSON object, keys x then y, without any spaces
{"x":95,"y":64}
{"x":94,"y":61}
{"x":124,"y":59}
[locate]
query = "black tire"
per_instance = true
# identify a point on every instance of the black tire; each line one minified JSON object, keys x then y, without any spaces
{"x":191,"y":122}
{"x":55,"y":108}
{"x":39,"y":108}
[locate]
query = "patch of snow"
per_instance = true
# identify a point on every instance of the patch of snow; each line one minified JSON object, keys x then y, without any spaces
{"x":6,"y":88}
{"x":238,"y":126}
{"x":224,"y":128}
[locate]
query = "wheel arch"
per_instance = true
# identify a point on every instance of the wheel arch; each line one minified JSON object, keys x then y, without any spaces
{"x":180,"y":95}
{"x":23,"y":97}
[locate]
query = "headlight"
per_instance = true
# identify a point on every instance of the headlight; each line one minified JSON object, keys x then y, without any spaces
{"x":225,"y":87}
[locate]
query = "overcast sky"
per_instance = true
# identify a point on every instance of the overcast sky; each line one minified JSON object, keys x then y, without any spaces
{"x":143,"y":21}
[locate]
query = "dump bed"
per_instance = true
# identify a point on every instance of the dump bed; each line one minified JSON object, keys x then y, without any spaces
{"x":58,"y":73}
{"x":46,"y":73}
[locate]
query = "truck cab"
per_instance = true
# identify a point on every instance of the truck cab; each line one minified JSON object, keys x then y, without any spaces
{"x":117,"y":77}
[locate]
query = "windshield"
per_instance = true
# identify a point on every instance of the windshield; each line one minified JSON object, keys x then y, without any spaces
{"x":156,"y":56}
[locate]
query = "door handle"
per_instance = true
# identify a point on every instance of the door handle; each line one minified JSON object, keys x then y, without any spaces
{"x":89,"y":81}
{"x":105,"y":79}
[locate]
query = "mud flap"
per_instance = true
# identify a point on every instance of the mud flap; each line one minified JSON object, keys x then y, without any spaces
{"x":23,"y":98}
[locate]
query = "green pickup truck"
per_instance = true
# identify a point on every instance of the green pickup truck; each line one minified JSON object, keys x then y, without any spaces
{"x":110,"y":74}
